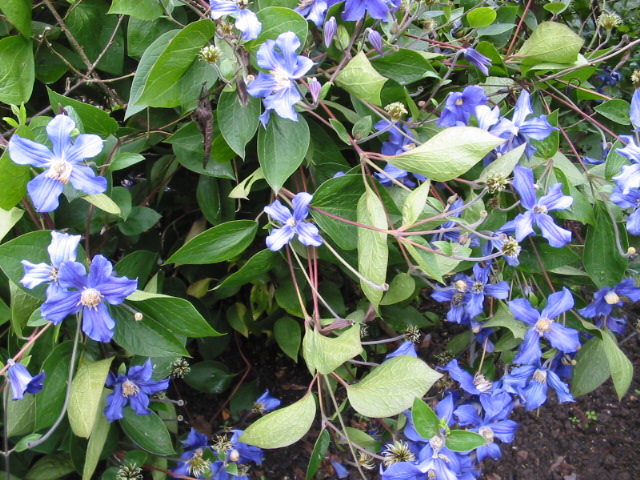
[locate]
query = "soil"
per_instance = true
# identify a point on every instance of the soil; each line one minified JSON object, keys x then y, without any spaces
{"x":559,"y":442}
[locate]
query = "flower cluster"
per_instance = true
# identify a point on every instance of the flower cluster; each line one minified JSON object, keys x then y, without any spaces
{"x":292,"y":224}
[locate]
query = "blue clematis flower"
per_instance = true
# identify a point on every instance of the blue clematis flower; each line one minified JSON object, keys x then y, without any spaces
{"x":278,"y":87}
{"x":133,"y":389}
{"x":62,"y":164}
{"x":605,"y":298}
{"x":406,"y":348}
{"x":61,"y":249}
{"x":241,"y":452}
{"x":476,"y":58}
{"x":543,"y":325}
{"x":265,"y":403}
{"x":537,"y":209}
{"x":475,"y":385}
{"x":22,"y":381}
{"x":293,"y":224}
{"x":519,"y":130}
{"x":480,"y":287}
{"x":457,"y":295}
{"x":355,"y":10}
{"x":192,"y":463}
{"x":246,"y":21}
{"x":89,"y":296}
{"x":634,"y":112}
{"x":629,"y":177}
{"x":461,"y":105}
{"x":530,"y":382}
{"x":314,"y":10}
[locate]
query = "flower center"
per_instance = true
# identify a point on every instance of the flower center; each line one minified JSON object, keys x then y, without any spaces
{"x":611,"y":298}
{"x":539,"y":209}
{"x":460,"y":286}
{"x":129,"y":388}
{"x":457,"y":299}
{"x":487,"y":433}
{"x":60,"y":170}
{"x":242,"y":3}
{"x":482,"y":383}
{"x":282,"y":78}
{"x":540,"y":376}
{"x":459,"y":102}
{"x":477,"y":287}
{"x":543,"y":325}
{"x":91,"y":298}
{"x":436,"y":443}
{"x":198,"y":466}
{"x":53,"y":274}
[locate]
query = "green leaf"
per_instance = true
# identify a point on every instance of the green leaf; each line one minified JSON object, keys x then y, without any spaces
{"x":426,"y":260}
{"x":373,"y":252}
{"x":24,"y":442}
{"x":462,"y":440}
{"x":405,"y":66}
{"x":220,"y":243}
{"x":287,"y":333}
{"x":281,"y":148}
{"x":148,"y":431}
{"x":147,"y":337}
{"x":260,"y":263}
{"x":616,"y":110}
{"x":103,"y":202}
{"x":614,"y":161}
{"x":8,"y":218}
{"x":50,"y":400}
{"x":175,"y":314}
{"x":94,"y":120}
{"x":238,"y":123}
{"x":502,"y":166}
{"x":413,"y":205}
{"x":361,"y":79}
{"x":13,"y":181}
{"x":391,"y":388}
{"x":338,"y":196}
{"x":125,"y":160}
{"x":481,"y":17}
{"x":425,"y":420}
{"x":282,"y":427}
{"x":140,"y":9}
{"x":551,"y":257}
{"x":209,"y":377}
{"x":51,"y":467}
{"x":86,"y":393}
{"x":97,"y":440}
{"x":174,"y":61}
{"x":601,"y":259}
{"x":402,"y":287}
{"x":18,"y":71}
{"x":358,"y":436}
{"x":276,"y":20}
{"x":140,"y":219}
{"x":22,"y":307}
{"x":448,"y":154}
{"x":551,"y":42}
{"x":555,"y":7}
{"x":18,"y":13}
{"x":325,"y":354}
{"x":319,"y":450}
{"x":592,"y":367}
{"x":504,"y":318}
{"x":620,"y":366}
{"x":20,"y":414}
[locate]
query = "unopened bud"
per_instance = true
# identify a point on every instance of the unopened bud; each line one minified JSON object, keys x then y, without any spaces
{"x":138,"y":316}
{"x":375,"y":39}
{"x":631,"y":251}
{"x":330,"y":29}
{"x":314,"y":89}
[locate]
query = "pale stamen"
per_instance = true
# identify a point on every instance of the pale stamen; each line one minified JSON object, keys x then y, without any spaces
{"x":59,"y":170}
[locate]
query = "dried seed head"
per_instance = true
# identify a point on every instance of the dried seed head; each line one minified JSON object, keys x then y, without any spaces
{"x":397,"y":452}
{"x":609,"y":20}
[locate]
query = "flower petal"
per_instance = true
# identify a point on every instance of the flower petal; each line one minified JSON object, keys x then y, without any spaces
{"x":63,"y":247}
{"x":97,"y":323}
{"x":72,"y":275}
{"x":279,"y":237}
{"x":558,"y":237}
{"x":59,"y":305}
{"x":558,"y":303}
{"x":523,"y":108}
{"x":85,"y":180}
{"x":114,"y":404}
{"x":278,"y":212}
{"x":27,"y":152}
{"x":523,"y":183}
{"x":59,"y":132}
{"x":555,"y":199}
{"x":564,"y":339}
{"x":44,"y":193}
{"x":247,"y":22}
{"x":308,"y":234}
{"x":35,"y":274}
{"x":523,"y":311}
{"x":530,"y":351}
{"x":84,"y":146}
{"x":301,"y":206}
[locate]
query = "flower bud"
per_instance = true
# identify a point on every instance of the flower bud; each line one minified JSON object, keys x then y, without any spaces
{"x":314,"y":89}
{"x":330,"y":29}
{"x":375,"y":39}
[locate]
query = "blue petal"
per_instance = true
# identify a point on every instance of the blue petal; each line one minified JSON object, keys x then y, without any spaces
{"x":59,"y":132}
{"x":467,"y":415}
{"x":634,"y":113}
{"x":279,"y":237}
{"x":247,"y":22}
{"x":633,"y":223}
{"x":35,"y":274}
{"x":114,"y":404}
{"x":402,"y":471}
{"x":220,"y":8}
{"x":84,"y":146}
{"x":97,"y":323}
{"x":535,"y":394}
{"x":407,"y":348}
{"x":140,"y":403}
{"x":72,"y":275}
{"x":523,"y":183}
{"x":301,"y":206}
{"x":283,"y":101}
{"x":27,"y":152}
{"x":489,"y":451}
{"x":487,"y":116}
{"x":505,"y":430}
{"x":564,"y":339}
{"x":629,"y":177}
{"x":268,"y":401}
{"x":63,"y":247}
{"x":523,"y":108}
{"x":100,"y":271}
{"x":58,"y":306}
{"x":530,"y":351}
{"x":558,"y":303}
{"x":195,"y":440}
{"x":279,"y":212}
{"x":523,"y":311}
{"x":262,"y":86}
{"x":537,"y":128}
{"x":627,"y":288}
{"x":308,"y":234}
{"x":555,"y":199}
{"x":19,"y":378}
{"x":44,"y":193}
{"x":558,"y":237}
{"x":267,"y":57}
{"x":561,"y":388}
{"x":354,"y":10}
{"x":85,"y":180}
{"x":35,"y":385}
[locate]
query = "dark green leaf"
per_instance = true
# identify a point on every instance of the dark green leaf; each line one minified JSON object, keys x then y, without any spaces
{"x":139,"y":220}
{"x":602,"y":261}
{"x":18,"y":72}
{"x":592,"y":368}
{"x":276,"y":20}
{"x":50,"y":401}
{"x":288,"y":335}
{"x":319,"y":449}
{"x":140,"y":9}
{"x":94,"y":120}
{"x":238,"y":123}
{"x":209,"y":377}
{"x":18,"y":13}
{"x":260,"y":263}
{"x":404,"y":66}
{"x":148,"y":431}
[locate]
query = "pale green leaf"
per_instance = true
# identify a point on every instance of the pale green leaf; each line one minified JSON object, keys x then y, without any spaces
{"x":8,"y":219}
{"x":21,"y":414}
{"x":448,"y":154}
{"x":502,"y":166}
{"x":551,"y":42}
{"x":504,"y":318}
{"x":361,"y":79}
{"x":325,"y":354}
{"x":414,"y":204}
{"x":481,"y":17}
{"x":402,"y":287}
{"x":103,"y":202}
{"x":620,"y":366}
{"x":97,"y":440}
{"x":140,"y":9}
{"x":86,"y":393}
{"x":391,"y":388}
{"x":282,"y":427}
{"x":592,"y":368}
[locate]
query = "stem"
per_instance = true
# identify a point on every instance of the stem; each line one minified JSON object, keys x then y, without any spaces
{"x":384,"y":287}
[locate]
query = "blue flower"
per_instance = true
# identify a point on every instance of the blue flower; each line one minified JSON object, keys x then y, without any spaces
{"x":634,"y":112}
{"x":313,"y":10}
{"x":61,"y":249}
{"x":134,"y":389}
{"x":629,"y":174}
{"x":480,"y":287}
{"x":62,"y":164}
{"x":605,"y":298}
{"x":293,"y":224}
{"x":90,"y":294}
{"x":407,"y":348}
{"x":475,"y":385}
{"x":266,"y":403}
{"x":278,"y":87}
{"x":476,"y":58}
{"x":460,"y":105}
{"x":192,"y":463}
{"x":543,"y":325}
{"x":22,"y":381}
{"x":530,"y":383}
{"x":537,"y":209}
{"x":355,"y":10}
{"x":241,"y":452}
{"x":520,"y":130}
{"x":246,"y":21}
